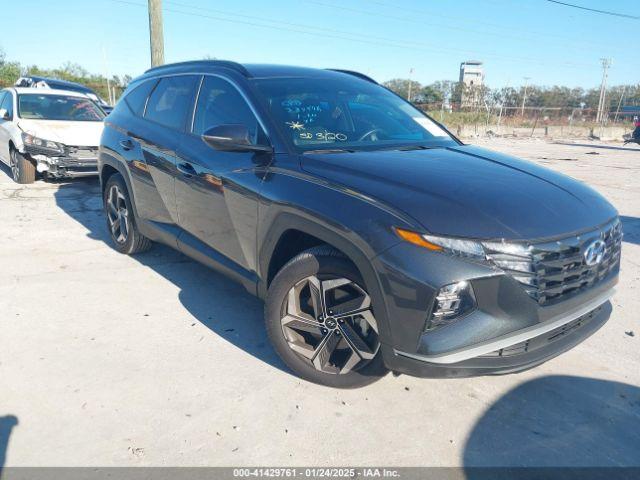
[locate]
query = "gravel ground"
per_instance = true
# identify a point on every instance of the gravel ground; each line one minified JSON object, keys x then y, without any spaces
{"x":107,"y":360}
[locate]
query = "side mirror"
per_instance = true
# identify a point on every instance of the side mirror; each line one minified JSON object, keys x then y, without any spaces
{"x":4,"y":115}
{"x":232,"y":138}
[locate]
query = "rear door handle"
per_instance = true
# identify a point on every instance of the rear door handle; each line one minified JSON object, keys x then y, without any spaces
{"x":186,"y":169}
{"x":126,"y":144}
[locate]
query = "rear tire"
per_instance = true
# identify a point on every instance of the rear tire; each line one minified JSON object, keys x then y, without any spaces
{"x":22,"y":170}
{"x":120,"y":218}
{"x":320,"y":321}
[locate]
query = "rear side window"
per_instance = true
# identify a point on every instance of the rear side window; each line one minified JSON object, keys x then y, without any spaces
{"x":137,"y":98}
{"x":171,"y":100}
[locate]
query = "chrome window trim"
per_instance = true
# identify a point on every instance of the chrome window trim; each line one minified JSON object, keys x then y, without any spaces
{"x":194,"y":107}
{"x":183,"y":127}
{"x":146,"y":101}
{"x":226,"y":79}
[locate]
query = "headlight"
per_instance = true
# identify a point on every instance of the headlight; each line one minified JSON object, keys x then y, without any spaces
{"x":455,"y":246}
{"x":32,"y":141}
{"x":456,"y":300}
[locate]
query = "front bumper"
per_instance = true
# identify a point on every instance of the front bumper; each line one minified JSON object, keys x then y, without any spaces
{"x":519,"y":352}
{"x":75,"y":162}
{"x":508,"y":331}
{"x":65,"y":167}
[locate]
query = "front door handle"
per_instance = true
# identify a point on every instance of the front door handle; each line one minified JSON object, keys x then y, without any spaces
{"x":186,"y":169}
{"x":126,"y":144}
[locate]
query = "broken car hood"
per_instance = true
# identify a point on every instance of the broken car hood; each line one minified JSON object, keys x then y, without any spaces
{"x":69,"y":133}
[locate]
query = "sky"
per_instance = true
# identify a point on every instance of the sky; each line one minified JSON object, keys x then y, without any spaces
{"x":550,"y":43}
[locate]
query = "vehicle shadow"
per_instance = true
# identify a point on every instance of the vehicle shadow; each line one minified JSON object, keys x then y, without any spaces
{"x":590,"y":145}
{"x":7,"y":423}
{"x":558,"y":421}
{"x":631,"y":229}
{"x":221,"y":305}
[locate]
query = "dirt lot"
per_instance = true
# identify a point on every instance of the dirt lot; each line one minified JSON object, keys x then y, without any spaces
{"x":155,"y":360}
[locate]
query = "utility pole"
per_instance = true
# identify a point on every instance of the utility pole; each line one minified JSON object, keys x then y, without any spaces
{"x":624,"y":90}
{"x":524,"y":98}
{"x":156,"y":36}
{"x":409,"y":94}
{"x":606,"y":63}
{"x":112,"y":100}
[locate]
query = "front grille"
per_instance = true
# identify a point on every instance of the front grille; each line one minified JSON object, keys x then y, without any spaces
{"x":81,"y":153}
{"x":551,"y":271}
{"x":546,"y":338}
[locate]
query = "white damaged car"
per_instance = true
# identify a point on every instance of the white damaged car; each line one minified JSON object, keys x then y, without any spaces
{"x":52,"y":132}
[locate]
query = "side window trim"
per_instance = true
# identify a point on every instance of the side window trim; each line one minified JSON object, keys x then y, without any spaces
{"x":244,"y":97}
{"x":146,"y":102}
{"x":183,"y":127}
{"x":194,"y":107}
{"x":133,"y":89}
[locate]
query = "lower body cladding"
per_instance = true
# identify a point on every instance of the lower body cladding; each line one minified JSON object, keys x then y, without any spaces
{"x":65,"y":167}
{"x":503,"y":331}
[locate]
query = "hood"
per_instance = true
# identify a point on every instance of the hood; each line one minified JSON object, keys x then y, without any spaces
{"x":86,"y":134}
{"x":468,"y":191}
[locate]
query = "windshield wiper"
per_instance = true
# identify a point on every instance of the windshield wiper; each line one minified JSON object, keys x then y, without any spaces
{"x":330,"y":150}
{"x":412,"y":147}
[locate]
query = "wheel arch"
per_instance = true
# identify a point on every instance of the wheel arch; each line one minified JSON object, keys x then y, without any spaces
{"x":110,"y":166}
{"x":304,"y":234}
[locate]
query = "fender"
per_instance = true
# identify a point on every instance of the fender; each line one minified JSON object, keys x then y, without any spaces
{"x":110,"y":157}
{"x":291,"y":221}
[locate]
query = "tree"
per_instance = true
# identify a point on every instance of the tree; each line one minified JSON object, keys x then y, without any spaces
{"x":9,"y":71}
{"x":401,"y":87}
{"x":431,"y":94}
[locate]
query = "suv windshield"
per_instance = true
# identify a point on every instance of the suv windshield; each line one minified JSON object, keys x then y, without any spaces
{"x":347,"y":114}
{"x":58,"y":107}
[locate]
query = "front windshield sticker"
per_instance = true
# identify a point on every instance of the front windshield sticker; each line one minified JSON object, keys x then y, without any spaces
{"x":314,"y":113}
{"x":431,"y":127}
{"x":324,"y":136}
{"x":306,"y":113}
{"x":296,"y":125}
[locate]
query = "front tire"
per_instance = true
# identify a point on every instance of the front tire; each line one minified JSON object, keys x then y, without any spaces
{"x":22,"y":170}
{"x":120,"y":218}
{"x":321,"y":323}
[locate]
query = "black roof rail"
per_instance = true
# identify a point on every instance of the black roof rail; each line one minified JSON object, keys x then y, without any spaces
{"x":211,"y":63}
{"x":355,"y":74}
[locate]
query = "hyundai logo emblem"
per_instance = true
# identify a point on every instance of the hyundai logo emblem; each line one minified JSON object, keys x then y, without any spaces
{"x":595,"y":252}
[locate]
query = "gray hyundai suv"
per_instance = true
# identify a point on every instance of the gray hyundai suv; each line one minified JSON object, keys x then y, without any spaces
{"x":378,"y":240}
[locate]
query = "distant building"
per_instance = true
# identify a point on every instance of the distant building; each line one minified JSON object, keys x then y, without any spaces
{"x":471,"y":81}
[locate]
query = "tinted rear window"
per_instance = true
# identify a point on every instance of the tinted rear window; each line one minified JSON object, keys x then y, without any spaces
{"x":171,"y":100}
{"x":137,"y":98}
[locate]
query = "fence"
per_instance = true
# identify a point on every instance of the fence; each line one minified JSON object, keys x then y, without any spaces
{"x":522,"y":117}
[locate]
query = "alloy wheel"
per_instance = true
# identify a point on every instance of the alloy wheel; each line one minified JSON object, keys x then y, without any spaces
{"x":117,"y":214}
{"x":329,"y":323}
{"x":13,"y":160}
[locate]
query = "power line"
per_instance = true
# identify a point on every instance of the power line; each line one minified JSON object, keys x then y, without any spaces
{"x":333,"y":33}
{"x":603,"y":12}
{"x":403,"y":19}
{"x":529,"y":33}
